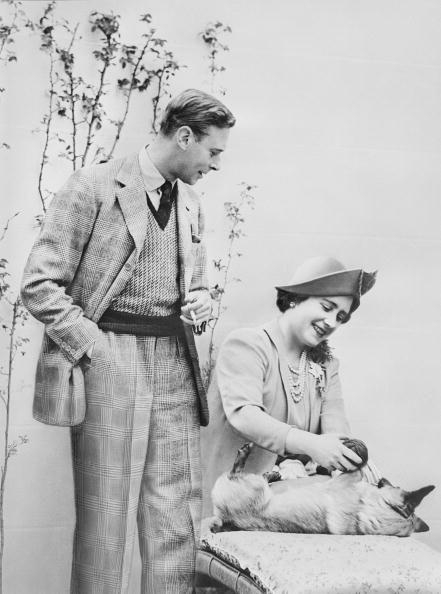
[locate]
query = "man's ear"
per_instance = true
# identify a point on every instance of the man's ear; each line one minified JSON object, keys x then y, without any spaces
{"x":184,"y":137}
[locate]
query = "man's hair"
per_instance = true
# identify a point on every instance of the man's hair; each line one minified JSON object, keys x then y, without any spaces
{"x":198,"y":110}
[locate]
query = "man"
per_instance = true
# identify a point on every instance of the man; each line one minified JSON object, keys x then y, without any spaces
{"x":118,"y":277}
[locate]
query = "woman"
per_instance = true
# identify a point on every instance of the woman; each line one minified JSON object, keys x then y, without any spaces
{"x":278,"y":385}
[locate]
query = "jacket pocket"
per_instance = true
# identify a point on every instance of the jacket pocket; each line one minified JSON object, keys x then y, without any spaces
{"x":59,"y":389}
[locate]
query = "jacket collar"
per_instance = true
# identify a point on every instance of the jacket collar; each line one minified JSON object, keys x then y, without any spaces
{"x":132,"y":199}
{"x":153,"y":179}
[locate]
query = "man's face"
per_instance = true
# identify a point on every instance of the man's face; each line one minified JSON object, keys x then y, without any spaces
{"x":203,"y":155}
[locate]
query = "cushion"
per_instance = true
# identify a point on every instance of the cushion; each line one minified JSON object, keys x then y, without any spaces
{"x":280,"y":563}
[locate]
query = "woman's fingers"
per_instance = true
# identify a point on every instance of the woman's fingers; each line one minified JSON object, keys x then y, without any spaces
{"x":351,"y":456}
{"x":345,"y":465}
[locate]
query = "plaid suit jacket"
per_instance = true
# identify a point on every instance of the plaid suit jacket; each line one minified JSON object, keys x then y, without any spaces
{"x":87,"y":249}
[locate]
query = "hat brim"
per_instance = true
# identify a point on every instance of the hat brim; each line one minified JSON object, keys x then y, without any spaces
{"x":345,"y":282}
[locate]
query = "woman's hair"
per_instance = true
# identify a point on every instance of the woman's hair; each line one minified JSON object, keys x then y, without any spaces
{"x":285,"y":299}
{"x":322,"y":352}
{"x":198,"y":110}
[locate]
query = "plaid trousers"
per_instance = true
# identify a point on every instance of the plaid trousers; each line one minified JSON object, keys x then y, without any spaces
{"x":136,"y":460}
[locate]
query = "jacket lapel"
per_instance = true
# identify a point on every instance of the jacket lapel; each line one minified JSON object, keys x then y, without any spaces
{"x":273,"y":331}
{"x":133,"y":201}
{"x":184,"y":206}
{"x":311,"y":404}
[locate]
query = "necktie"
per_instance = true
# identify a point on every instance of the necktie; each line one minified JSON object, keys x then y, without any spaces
{"x":165,"y":204}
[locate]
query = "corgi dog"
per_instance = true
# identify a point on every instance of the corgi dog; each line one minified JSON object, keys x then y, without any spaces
{"x":344,"y":504}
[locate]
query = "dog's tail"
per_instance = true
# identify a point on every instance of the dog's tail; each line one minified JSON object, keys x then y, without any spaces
{"x":241,"y":458}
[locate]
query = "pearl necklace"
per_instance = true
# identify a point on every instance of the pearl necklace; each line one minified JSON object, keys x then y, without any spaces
{"x":297,"y":387}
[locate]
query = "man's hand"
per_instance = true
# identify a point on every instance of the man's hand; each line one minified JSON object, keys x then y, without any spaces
{"x":197,"y":310}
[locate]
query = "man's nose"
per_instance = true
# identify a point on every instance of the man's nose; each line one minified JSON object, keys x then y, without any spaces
{"x":215,"y":163}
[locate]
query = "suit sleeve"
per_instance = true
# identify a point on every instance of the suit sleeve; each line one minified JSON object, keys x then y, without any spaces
{"x":52,"y":265}
{"x":333,"y":416}
{"x":240,"y":371}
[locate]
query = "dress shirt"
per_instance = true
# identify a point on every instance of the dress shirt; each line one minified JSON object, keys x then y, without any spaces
{"x":153,"y":180}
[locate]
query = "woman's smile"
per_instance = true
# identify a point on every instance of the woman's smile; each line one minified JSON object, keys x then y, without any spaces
{"x":322,"y":333}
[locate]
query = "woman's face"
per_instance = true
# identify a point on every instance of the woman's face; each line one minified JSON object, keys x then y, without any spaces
{"x":312,"y":321}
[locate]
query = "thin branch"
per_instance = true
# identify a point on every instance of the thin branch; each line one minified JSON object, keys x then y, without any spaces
{"x":120,"y":124}
{"x":107,"y":59}
{"x":221,"y":296}
{"x":47,"y":132}
{"x":5,"y":228}
{"x":15,"y":313}
{"x":68,"y":68}
{"x":156,"y":100}
{"x":235,"y":216}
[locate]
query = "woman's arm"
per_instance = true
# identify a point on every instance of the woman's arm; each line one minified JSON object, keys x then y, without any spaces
{"x":258,"y":426}
{"x":241,"y":368}
{"x":240,"y":371}
{"x":327,"y":450}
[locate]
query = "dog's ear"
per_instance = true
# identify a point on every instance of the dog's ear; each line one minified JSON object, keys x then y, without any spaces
{"x":413,"y":498}
{"x":383,"y":482}
{"x":420,"y":525}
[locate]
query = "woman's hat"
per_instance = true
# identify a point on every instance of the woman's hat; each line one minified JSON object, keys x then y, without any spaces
{"x":325,"y":277}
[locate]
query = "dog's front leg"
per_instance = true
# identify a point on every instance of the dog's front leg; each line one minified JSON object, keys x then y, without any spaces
{"x":241,"y":458}
{"x":215,"y":524}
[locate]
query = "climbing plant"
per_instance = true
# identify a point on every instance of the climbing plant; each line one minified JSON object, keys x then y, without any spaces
{"x":213,"y":37}
{"x":235,"y":212}
{"x":13,"y":317}
{"x":81,"y":104}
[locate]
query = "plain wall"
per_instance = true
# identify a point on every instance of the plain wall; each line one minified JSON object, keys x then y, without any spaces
{"x":338,"y":107}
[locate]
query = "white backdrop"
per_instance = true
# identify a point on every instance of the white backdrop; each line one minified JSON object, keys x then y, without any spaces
{"x":338,"y":106}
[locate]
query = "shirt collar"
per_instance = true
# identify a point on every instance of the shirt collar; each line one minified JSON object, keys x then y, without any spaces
{"x":150,"y":174}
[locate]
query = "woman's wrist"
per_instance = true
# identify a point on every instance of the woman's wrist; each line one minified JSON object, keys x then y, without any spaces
{"x":300,"y":442}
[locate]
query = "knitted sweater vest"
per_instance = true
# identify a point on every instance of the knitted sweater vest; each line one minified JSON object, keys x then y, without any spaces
{"x":153,"y":288}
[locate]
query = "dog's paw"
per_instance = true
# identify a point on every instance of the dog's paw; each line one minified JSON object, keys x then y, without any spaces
{"x":272,"y":476}
{"x":215,"y":525}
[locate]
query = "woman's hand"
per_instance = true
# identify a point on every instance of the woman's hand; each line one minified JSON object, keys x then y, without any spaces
{"x":328,"y":450}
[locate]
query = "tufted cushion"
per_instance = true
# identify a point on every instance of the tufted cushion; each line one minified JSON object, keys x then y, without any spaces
{"x":280,"y":563}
